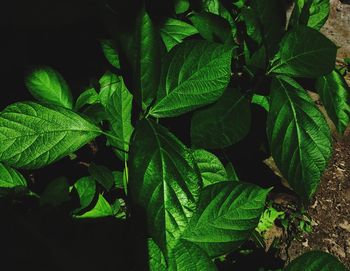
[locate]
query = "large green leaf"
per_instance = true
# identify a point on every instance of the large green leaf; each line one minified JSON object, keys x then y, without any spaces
{"x":313,"y":13}
{"x":222,"y":124}
{"x":305,"y":52}
{"x":156,"y":260}
{"x":33,"y":135}
{"x":187,"y":256}
{"x":47,"y":85}
{"x":334,"y":93}
{"x":212,"y":27}
{"x":175,"y":31}
{"x":210,"y":167}
{"x":227,"y":214}
{"x":164,"y":181}
{"x":110,"y":52}
{"x":10,"y":179}
{"x":299,"y":136}
{"x":194,"y":73}
{"x":316,"y":261}
{"x":119,"y":112}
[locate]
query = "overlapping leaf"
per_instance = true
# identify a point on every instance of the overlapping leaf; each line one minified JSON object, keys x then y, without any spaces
{"x":10,"y":179}
{"x":194,"y":73}
{"x":33,"y":135}
{"x":299,"y":136}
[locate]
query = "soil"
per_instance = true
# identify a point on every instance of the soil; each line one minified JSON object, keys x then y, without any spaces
{"x":330,"y":210}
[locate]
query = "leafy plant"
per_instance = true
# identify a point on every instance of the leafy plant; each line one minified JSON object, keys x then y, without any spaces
{"x":209,"y":60}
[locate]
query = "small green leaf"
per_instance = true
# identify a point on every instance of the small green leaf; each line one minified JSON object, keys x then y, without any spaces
{"x":268,"y":218}
{"x":261,"y":100}
{"x":118,"y":109}
{"x":227,"y":214}
{"x":222,"y":124}
{"x":212,"y":27}
{"x":156,"y":260}
{"x":334,"y":93}
{"x":181,"y":6}
{"x":47,"y":85}
{"x":175,"y":31}
{"x":187,"y":256}
{"x":305,"y":52}
{"x":33,"y":135}
{"x":56,"y":192}
{"x":210,"y":167}
{"x":316,"y":261}
{"x":164,"y":181}
{"x":10,"y":179}
{"x":195,"y":73}
{"x":111,"y":53}
{"x":88,"y":96}
{"x":298,"y":135}
{"x":102,"y":175}
{"x":101,"y":209}
{"x":86,"y":189}
{"x":118,"y":179}
{"x":109,"y":82}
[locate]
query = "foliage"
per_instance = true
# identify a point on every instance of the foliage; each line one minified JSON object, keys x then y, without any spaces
{"x":212,"y":62}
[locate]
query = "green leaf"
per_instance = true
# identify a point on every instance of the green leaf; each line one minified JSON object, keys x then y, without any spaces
{"x":89,"y":96}
{"x":109,"y":82}
{"x":210,"y":167}
{"x":10,"y":179}
{"x":175,"y":31}
{"x":164,"y":181}
{"x":222,"y":124}
{"x":110,"y":52}
{"x":102,"y":175}
{"x":298,"y":135}
{"x":212,"y":27}
{"x":118,"y":179}
{"x":47,"y":85}
{"x":334,"y":94}
{"x":181,"y":6}
{"x":268,"y":218}
{"x":101,"y":209}
{"x":263,"y":101}
{"x":187,"y":256}
{"x":56,"y":192}
{"x":313,"y":13}
{"x":227,"y":214}
{"x":119,"y":108}
{"x":195,"y":73}
{"x":316,"y":261}
{"x":86,"y":189}
{"x":231,"y":172}
{"x":33,"y":135}
{"x":305,"y":52}
{"x":156,"y":260}
{"x":95,"y":113}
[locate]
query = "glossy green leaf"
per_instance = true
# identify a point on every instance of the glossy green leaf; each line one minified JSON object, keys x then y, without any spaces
{"x":195,"y":73}
{"x":88,"y":96}
{"x":109,"y":82}
{"x":222,"y":124}
{"x":299,"y":136}
{"x":212,"y":27}
{"x":119,"y":108}
{"x":101,"y":209}
{"x":187,"y":256}
{"x":164,"y":181}
{"x":313,"y":13}
{"x":210,"y":167}
{"x":47,"y":85}
{"x":56,"y":192}
{"x":156,"y":260}
{"x":316,"y":261}
{"x":111,"y":53}
{"x":263,"y":101}
{"x":334,"y":93}
{"x":86,"y":189}
{"x":175,"y":31}
{"x":227,"y":214}
{"x":102,"y":175}
{"x":305,"y":52}
{"x":181,"y":6}
{"x":10,"y":179}
{"x":33,"y":135}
